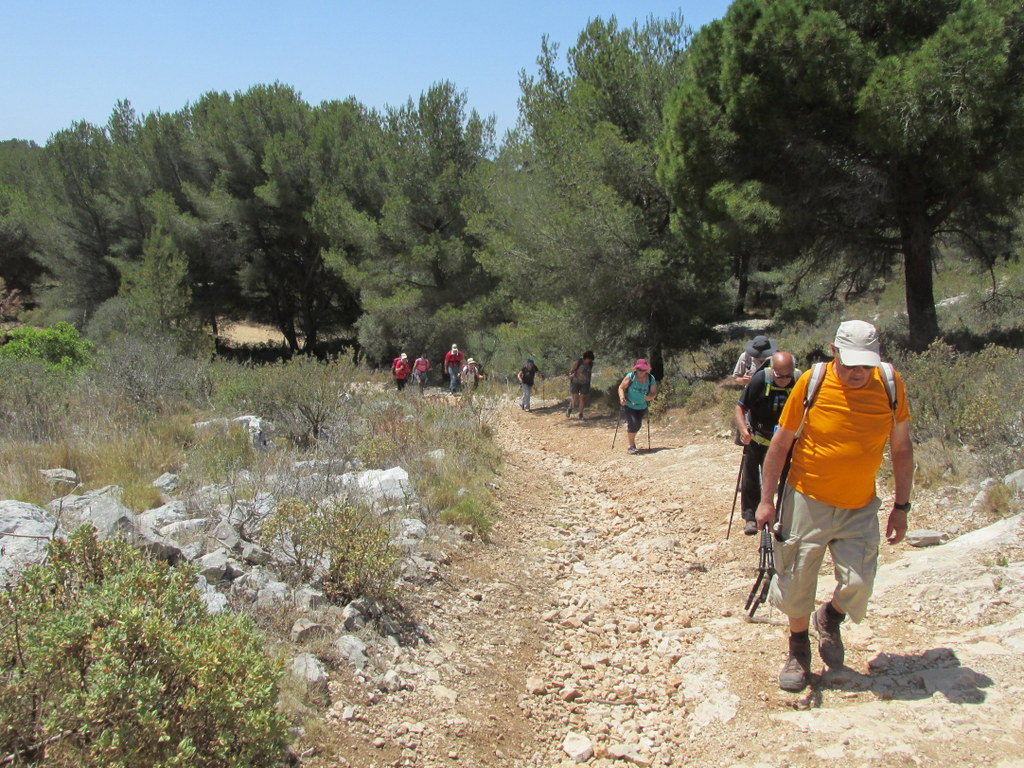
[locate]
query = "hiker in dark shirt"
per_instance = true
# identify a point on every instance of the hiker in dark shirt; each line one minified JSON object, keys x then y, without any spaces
{"x":526,"y":377}
{"x":757,"y":413}
{"x":579,"y":384}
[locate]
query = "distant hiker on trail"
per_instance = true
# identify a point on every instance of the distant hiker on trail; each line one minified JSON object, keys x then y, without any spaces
{"x":753,"y":357}
{"x":420,"y":370}
{"x":526,"y":375}
{"x":472,"y":373}
{"x":453,"y":363}
{"x":757,"y":413}
{"x":579,"y":384}
{"x":636,"y":391}
{"x":829,"y":501}
{"x":400,"y":369}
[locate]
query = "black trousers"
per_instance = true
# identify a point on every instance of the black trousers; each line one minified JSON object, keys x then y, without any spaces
{"x":750,"y":480}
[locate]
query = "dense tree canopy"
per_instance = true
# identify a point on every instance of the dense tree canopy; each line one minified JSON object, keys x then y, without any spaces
{"x":648,"y":176}
{"x":574,"y":211}
{"x":855,"y":131}
{"x":409,"y":254}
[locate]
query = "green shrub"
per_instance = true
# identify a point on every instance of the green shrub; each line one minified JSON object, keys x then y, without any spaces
{"x":60,"y":347}
{"x":344,"y":545}
{"x":471,"y":510}
{"x":113,"y":661}
{"x":304,"y":397}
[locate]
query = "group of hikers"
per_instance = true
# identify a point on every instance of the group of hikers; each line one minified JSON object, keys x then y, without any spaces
{"x":459,"y":369}
{"x":813,"y":443}
{"x":636,"y":390}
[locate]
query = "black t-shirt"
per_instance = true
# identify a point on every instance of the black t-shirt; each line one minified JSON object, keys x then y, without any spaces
{"x":763,"y":400}
{"x":528,"y":373}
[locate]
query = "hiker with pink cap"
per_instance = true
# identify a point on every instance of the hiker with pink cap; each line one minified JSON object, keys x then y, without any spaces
{"x":636,"y":390}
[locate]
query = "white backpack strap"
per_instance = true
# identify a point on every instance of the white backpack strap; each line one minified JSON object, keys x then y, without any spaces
{"x":817,"y":374}
{"x":889,"y":382}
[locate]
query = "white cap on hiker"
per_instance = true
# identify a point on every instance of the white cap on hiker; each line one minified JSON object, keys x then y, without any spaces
{"x":455,"y":348}
{"x":405,"y":356}
{"x":857,"y":343}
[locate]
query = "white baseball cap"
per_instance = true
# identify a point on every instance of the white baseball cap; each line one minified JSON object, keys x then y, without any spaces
{"x":857,"y":343}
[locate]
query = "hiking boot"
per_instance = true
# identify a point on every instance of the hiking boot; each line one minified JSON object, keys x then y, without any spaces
{"x":830,"y":642}
{"x":568,"y":412}
{"x":632,"y":450}
{"x":750,"y":527}
{"x":796,"y":672}
{"x":581,"y":417}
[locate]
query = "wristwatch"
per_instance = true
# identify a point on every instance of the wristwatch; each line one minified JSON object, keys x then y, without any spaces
{"x":902,"y":507}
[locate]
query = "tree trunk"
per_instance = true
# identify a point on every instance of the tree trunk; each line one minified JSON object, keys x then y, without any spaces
{"x":657,"y":361}
{"x":916,"y":239}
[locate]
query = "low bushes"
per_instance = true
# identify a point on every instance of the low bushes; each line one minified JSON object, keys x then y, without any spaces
{"x":113,"y":661}
{"x":969,"y":400}
{"x":347,"y":548}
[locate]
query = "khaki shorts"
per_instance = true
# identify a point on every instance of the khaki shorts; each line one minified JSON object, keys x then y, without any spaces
{"x":851,"y":535}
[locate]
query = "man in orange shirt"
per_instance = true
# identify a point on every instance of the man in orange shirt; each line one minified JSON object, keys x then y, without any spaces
{"x":829,"y":498}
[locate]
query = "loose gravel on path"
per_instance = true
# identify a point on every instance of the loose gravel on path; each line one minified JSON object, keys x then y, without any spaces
{"x":603,"y":623}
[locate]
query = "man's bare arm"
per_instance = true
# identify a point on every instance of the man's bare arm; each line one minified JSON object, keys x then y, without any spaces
{"x":774,"y":462}
{"x":903,"y":478}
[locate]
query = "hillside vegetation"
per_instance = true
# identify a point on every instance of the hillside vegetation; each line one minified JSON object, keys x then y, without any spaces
{"x":665,"y":193}
{"x":781,"y":160}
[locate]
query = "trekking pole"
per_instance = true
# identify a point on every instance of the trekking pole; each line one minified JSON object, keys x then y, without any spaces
{"x":736,"y":495}
{"x":780,"y":495}
{"x":617,"y":422}
{"x":648,"y":431}
{"x":765,"y":572}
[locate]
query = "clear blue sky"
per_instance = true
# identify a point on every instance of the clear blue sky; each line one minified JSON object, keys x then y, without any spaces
{"x":65,"y":61}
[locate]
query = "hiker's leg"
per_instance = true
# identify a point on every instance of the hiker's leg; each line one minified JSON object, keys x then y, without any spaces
{"x":807,"y":526}
{"x":750,"y":480}
{"x":797,"y":560}
{"x":854,"y":550}
{"x":634,"y":419}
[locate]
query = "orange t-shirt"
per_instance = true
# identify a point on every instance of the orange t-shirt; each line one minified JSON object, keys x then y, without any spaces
{"x":838,"y":454}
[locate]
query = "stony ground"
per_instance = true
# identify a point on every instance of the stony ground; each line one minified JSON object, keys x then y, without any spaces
{"x":603,"y":622}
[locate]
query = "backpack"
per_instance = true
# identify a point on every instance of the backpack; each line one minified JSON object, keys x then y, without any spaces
{"x":575,"y":373}
{"x":640,"y":387}
{"x":818,"y":375}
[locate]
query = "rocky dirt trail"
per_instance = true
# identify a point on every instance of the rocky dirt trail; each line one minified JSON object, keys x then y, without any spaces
{"x":603,"y":623}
